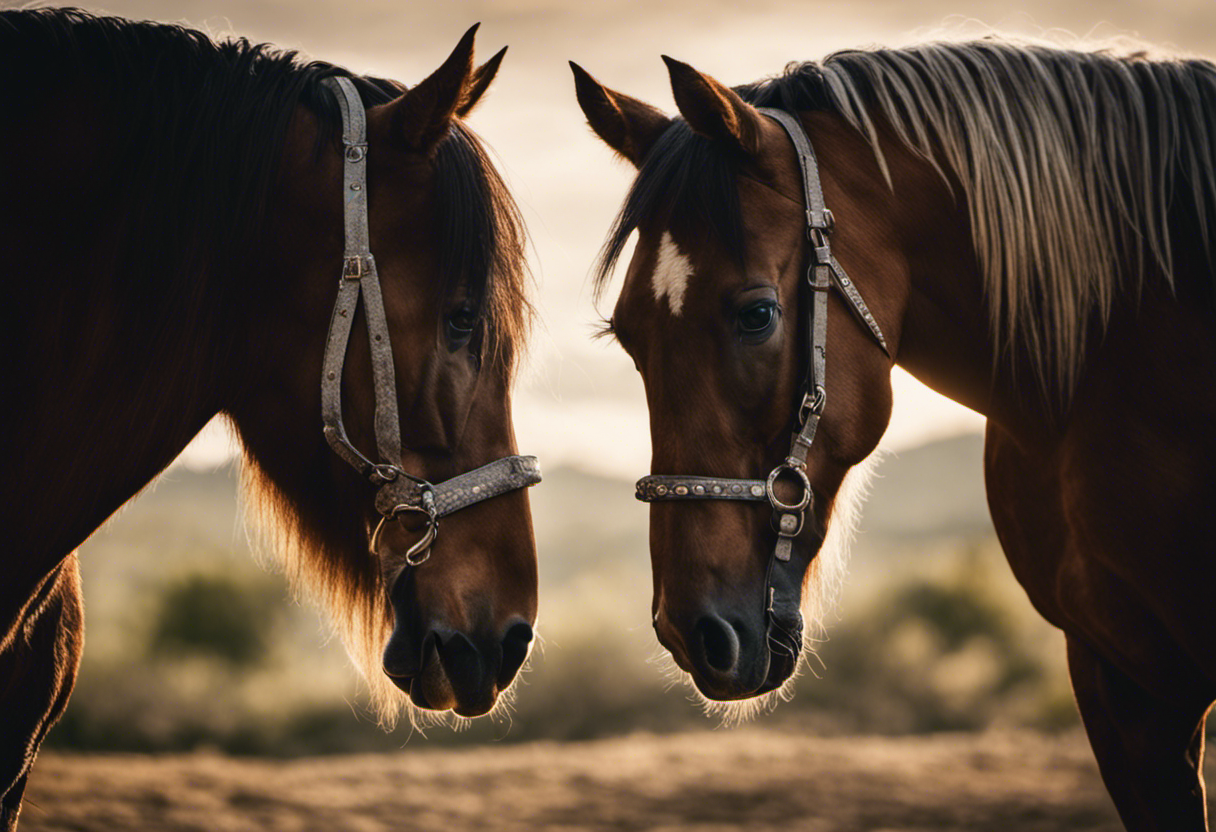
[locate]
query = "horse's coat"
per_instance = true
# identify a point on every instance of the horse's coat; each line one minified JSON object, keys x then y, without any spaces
{"x":174,"y":245}
{"x":1032,"y":228}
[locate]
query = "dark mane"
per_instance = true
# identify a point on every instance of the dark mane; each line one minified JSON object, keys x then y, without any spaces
{"x":1072,"y":163}
{"x":198,"y":126}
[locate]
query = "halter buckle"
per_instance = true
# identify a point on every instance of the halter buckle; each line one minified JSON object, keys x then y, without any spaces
{"x":812,"y":403}
{"x":355,"y":266}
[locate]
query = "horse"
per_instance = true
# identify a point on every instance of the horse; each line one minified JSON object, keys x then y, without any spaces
{"x":1026,"y":228}
{"x":178,"y":217}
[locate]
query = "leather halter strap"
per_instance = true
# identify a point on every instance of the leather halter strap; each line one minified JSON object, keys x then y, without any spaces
{"x":823,"y":272}
{"x":398,"y":492}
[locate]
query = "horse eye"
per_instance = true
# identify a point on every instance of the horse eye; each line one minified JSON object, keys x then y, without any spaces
{"x":459,"y":326}
{"x":756,"y":320}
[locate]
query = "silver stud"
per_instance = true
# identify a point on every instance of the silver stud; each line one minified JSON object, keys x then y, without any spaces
{"x":681,"y":490}
{"x":477,"y":489}
{"x":698,"y":489}
{"x":717,"y":489}
{"x":661,"y":490}
{"x":736,"y":488}
{"x":757,"y":490}
{"x":355,"y":186}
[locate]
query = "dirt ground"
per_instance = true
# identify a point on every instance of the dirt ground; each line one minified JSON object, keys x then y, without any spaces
{"x":723,"y":780}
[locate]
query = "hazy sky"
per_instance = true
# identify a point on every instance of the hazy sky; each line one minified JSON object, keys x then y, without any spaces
{"x":581,"y":401}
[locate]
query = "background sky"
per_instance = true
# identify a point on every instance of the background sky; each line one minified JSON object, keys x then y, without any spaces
{"x":580,"y":402}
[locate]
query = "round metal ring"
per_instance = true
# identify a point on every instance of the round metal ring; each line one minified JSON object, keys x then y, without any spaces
{"x":806,"y":488}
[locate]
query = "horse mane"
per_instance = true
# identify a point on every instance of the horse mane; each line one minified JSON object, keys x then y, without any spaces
{"x":1070,"y":161}
{"x":198,"y":128}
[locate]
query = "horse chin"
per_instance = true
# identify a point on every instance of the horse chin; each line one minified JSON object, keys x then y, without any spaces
{"x":785,"y":650}
{"x":781,"y":668}
{"x":432,"y":690}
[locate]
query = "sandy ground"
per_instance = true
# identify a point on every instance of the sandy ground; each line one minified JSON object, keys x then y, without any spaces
{"x":750,"y":779}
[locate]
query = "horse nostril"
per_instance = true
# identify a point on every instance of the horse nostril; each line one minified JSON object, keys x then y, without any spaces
{"x":515,"y":645}
{"x":719,"y":643}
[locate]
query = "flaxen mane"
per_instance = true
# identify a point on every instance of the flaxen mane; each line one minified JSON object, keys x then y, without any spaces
{"x":1071,"y":163}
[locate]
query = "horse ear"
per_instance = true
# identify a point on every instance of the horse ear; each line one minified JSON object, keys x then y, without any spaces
{"x":479,"y":83}
{"x":628,"y":126}
{"x":421,"y":117}
{"x":714,"y":109}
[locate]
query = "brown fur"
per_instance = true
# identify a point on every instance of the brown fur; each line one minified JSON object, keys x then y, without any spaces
{"x":1104,"y":510}
{"x":144,"y":328}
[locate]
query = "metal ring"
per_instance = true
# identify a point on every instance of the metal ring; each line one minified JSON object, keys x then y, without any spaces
{"x":423,"y":544}
{"x":806,"y":488}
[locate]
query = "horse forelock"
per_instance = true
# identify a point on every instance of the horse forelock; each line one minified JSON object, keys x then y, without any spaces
{"x":484,"y":242}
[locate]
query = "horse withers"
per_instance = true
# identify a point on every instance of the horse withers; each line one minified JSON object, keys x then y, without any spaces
{"x":191,"y":228}
{"x":1027,"y":229}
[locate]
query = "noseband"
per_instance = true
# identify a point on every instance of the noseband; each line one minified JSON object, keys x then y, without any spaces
{"x":785,"y":573}
{"x":398,"y":493}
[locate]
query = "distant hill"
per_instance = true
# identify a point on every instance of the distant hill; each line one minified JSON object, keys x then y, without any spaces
{"x":935,"y":490}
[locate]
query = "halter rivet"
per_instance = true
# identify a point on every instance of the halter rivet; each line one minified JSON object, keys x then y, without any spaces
{"x":789,"y":523}
{"x":736,"y":488}
{"x":757,"y":491}
{"x":661,"y":490}
{"x":698,"y":489}
{"x":332,"y":376}
{"x":378,"y":338}
{"x":717,"y":489}
{"x":355,"y":186}
{"x":681,"y":490}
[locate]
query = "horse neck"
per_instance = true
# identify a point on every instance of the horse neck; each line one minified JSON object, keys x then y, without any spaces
{"x":912,"y":239}
{"x":113,"y":379}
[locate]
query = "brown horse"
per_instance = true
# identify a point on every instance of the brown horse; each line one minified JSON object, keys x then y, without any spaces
{"x":1032,"y":229}
{"x":171,"y":232}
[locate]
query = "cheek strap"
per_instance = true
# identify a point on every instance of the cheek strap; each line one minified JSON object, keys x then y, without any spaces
{"x":398,"y":494}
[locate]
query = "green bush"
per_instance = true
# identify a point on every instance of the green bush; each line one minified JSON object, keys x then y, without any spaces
{"x":215,"y":616}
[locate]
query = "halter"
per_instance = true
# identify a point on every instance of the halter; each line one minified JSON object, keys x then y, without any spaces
{"x":398,"y":493}
{"x":784,"y":581}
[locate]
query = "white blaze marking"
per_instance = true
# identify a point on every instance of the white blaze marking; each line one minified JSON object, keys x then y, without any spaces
{"x":671,"y":272}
